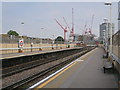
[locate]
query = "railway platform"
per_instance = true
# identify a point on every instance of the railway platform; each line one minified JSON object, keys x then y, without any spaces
{"x":85,"y":72}
{"x":14,"y":55}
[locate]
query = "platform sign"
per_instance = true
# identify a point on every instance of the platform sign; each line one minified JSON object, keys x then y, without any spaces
{"x":21,"y":43}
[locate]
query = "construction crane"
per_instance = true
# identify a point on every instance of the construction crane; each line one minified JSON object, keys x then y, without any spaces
{"x":64,"y":28}
{"x":72,"y":31}
{"x":89,"y":30}
{"x":85,"y":29}
{"x":66,"y":23}
{"x":91,"y":25}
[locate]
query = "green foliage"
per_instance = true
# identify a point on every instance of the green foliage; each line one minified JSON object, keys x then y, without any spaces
{"x":59,"y":39}
{"x":101,"y":42}
{"x":11,"y":32}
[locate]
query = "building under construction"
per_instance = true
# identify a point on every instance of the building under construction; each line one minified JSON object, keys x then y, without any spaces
{"x":84,"y":39}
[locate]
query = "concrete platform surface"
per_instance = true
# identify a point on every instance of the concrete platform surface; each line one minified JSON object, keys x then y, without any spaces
{"x":87,"y":72}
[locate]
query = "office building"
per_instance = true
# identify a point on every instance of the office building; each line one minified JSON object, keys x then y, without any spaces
{"x":105,"y":31}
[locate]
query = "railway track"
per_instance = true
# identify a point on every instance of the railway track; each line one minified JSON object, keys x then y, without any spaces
{"x":19,"y":68}
{"x":31,"y":78}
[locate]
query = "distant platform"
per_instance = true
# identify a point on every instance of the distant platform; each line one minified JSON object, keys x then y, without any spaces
{"x":13,"y":55}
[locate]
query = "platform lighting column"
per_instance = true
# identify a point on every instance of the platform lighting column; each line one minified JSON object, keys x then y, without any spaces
{"x":41,"y":37}
{"x":22,"y":23}
{"x":53,"y":42}
{"x":20,"y":48}
{"x":110,"y":29}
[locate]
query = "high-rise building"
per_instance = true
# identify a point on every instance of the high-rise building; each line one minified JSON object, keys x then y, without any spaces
{"x":104,"y":36}
{"x":103,"y":28}
{"x":105,"y":31}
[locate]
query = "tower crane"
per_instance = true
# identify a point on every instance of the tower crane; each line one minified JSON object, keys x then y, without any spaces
{"x":85,"y":29}
{"x":64,"y":28}
{"x":91,"y":25}
{"x":89,"y":30}
{"x":66,"y":23}
{"x":72,"y":31}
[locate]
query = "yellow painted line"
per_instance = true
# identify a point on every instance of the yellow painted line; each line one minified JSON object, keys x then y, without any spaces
{"x":45,"y":83}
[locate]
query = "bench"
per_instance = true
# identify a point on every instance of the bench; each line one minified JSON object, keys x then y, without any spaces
{"x":105,"y":55}
{"x":108,"y":66}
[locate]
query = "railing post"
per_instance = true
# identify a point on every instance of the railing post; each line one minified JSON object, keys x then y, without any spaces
{"x":31,"y":46}
{"x":20,"y":50}
{"x":40,"y":49}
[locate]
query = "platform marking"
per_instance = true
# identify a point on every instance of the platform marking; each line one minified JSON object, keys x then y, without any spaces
{"x":79,"y":60}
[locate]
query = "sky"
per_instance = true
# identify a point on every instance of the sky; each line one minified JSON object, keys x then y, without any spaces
{"x":39,"y":17}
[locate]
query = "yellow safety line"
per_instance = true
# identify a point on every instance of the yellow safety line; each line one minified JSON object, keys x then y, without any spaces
{"x":42,"y":85}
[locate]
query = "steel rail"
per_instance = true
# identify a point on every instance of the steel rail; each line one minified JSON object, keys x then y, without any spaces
{"x":50,"y":59}
{"x":39,"y":74}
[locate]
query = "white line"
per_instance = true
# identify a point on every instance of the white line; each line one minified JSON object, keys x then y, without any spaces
{"x":79,"y":60}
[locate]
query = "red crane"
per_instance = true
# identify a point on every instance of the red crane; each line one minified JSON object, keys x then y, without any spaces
{"x":66,"y":23}
{"x":85,"y":30}
{"x":72,"y":31}
{"x":90,"y":29}
{"x":64,"y":28}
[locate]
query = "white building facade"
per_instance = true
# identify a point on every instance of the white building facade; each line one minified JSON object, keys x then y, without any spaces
{"x":105,"y":33}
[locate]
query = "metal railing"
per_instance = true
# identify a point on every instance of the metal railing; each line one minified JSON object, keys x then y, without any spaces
{"x":1,"y":49}
{"x":30,"y":49}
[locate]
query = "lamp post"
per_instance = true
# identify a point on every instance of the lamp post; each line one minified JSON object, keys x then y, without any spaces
{"x":42,"y":41}
{"x":110,"y":28}
{"x":21,"y":42}
{"x":43,"y":32}
{"x":53,"y":42}
{"x":41,"y":38}
{"x":22,"y":23}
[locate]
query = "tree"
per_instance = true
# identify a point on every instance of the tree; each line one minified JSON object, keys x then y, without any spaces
{"x":101,"y":42}
{"x":11,"y":32}
{"x":59,"y":39}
